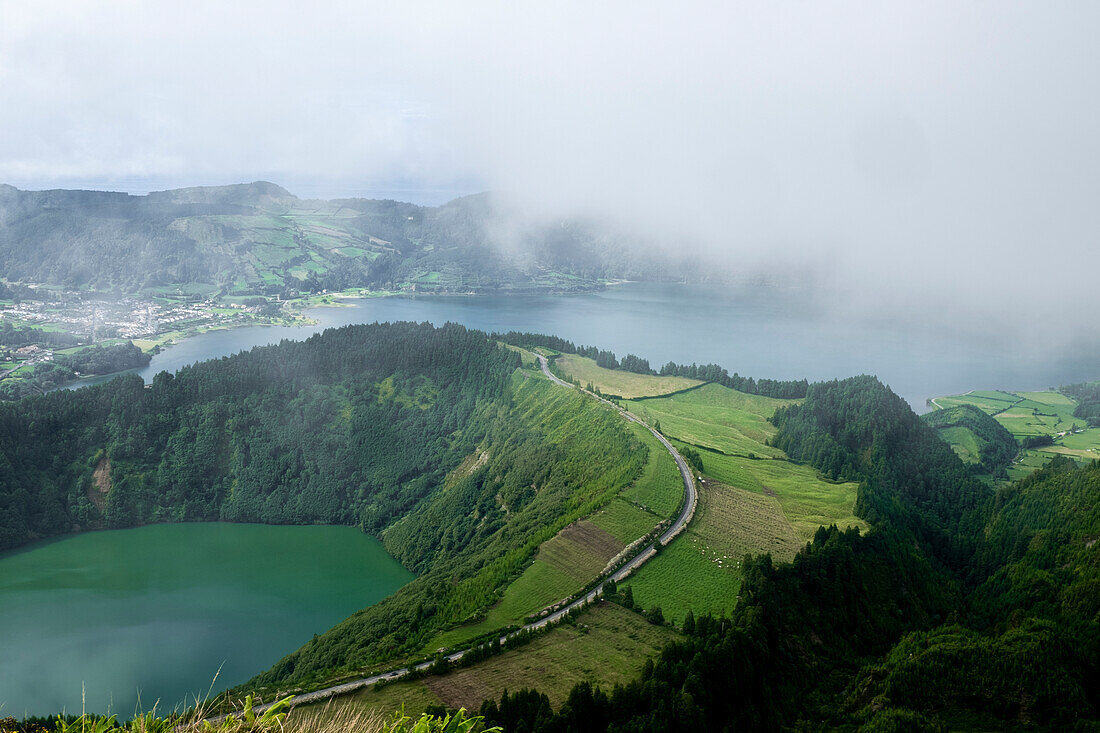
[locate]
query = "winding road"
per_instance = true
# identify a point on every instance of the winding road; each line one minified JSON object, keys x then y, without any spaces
{"x":686,"y":513}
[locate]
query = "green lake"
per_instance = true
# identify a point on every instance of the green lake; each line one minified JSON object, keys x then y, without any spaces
{"x":153,"y":613}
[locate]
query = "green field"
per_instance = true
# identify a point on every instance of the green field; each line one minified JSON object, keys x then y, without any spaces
{"x":808,"y":501}
{"x":659,"y":490}
{"x":1027,"y":462}
{"x":1086,"y":441}
{"x":1026,"y":415}
{"x":282,"y":244}
{"x":963,"y":441}
{"x":526,"y":357}
{"x":625,"y":520}
{"x":751,"y":500}
{"x":746,"y":505}
{"x":1039,"y":413}
{"x":564,"y":564}
{"x":1022,"y":413}
{"x":575,"y":556}
{"x":715,"y":417}
{"x":606,"y":645}
{"x":701,"y":569}
{"x":616,"y":382}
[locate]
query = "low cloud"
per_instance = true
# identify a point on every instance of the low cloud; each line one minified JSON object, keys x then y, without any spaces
{"x":928,"y":161}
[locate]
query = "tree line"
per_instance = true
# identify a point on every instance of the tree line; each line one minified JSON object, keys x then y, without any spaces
{"x":1087,"y":396}
{"x":780,"y":389}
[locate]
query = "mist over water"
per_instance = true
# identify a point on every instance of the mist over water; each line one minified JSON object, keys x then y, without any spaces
{"x":752,"y":330}
{"x":933,"y":161}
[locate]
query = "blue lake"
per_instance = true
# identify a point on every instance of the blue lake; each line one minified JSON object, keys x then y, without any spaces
{"x":749,"y":330}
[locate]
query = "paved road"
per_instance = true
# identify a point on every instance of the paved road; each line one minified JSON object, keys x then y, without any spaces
{"x":690,"y":497}
{"x":688,"y":511}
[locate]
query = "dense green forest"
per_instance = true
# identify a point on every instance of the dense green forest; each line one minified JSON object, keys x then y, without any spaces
{"x":431,"y":438}
{"x":963,"y":608}
{"x":241,"y":438}
{"x":259,"y":238}
{"x":1087,"y":396}
{"x":995,"y":445}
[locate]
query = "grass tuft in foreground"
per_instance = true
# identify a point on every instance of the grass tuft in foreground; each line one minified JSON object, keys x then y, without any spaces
{"x":278,"y":718}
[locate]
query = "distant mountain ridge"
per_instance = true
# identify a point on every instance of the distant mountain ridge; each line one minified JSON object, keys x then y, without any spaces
{"x":258,"y":238}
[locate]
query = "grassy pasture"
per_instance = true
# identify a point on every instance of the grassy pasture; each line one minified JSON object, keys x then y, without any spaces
{"x":1027,"y":462}
{"x":659,"y":489}
{"x":1078,"y":454}
{"x":963,"y":442}
{"x":564,"y":563}
{"x":715,"y":417}
{"x":746,"y":505}
{"x":1087,"y":440}
{"x":525,"y":356}
{"x":624,"y":520}
{"x":1082,"y":446}
{"x":1040,"y":413}
{"x":1025,"y":415}
{"x":701,"y":569}
{"x":574,"y":557}
{"x":989,"y":402}
{"x":607,"y":645}
{"x":1022,"y":413}
{"x":807,"y":500}
{"x":613,"y":381}
{"x":999,"y":395}
{"x":737,"y":423}
{"x":314,"y":266}
{"x":686,"y":577}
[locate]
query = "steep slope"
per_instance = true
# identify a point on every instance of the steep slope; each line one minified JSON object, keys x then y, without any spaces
{"x":1087,"y":396}
{"x":863,"y":631}
{"x":1027,"y":657}
{"x":432,"y":438}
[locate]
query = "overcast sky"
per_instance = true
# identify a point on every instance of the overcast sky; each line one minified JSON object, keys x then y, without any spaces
{"x":918,"y":150}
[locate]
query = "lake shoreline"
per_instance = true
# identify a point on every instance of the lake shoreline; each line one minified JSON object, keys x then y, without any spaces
{"x":753,"y":331}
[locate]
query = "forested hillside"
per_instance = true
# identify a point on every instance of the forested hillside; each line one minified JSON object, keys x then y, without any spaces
{"x":976,"y":437}
{"x":259,"y":238}
{"x":1087,"y":396}
{"x":293,"y":433}
{"x":962,"y":609}
{"x":428,"y":437}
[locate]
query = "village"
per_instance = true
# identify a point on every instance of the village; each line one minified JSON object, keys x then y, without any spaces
{"x":31,"y":332}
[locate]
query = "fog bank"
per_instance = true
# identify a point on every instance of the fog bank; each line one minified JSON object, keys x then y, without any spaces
{"x":926,"y":161}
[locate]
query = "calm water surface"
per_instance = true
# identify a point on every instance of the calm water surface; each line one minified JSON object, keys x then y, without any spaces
{"x":155,"y":611}
{"x":753,"y":331}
